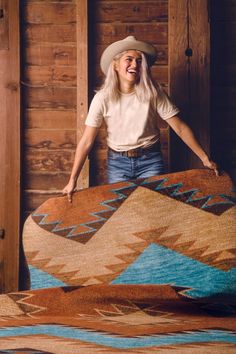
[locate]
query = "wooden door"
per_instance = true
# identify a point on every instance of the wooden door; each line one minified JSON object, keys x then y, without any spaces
{"x":189,"y":75}
{"x":10,"y":145}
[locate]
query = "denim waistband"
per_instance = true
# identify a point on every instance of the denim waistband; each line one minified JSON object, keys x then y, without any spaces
{"x":138,"y":151}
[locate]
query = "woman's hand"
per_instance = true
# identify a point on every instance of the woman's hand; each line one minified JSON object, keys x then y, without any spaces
{"x":211,"y":165}
{"x":69,"y":189}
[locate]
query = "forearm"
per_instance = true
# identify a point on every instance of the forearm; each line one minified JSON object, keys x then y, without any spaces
{"x":188,"y":137}
{"x":83,"y":148}
{"x":81,"y":154}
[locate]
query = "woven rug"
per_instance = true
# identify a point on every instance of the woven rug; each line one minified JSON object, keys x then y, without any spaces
{"x":136,"y":267}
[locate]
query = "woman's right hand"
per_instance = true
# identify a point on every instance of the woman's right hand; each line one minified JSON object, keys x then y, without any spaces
{"x":69,"y":189}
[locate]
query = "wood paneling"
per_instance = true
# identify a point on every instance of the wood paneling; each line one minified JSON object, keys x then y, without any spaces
{"x":10,"y":145}
{"x":135,"y":11}
{"x":56,"y":54}
{"x":109,"y":32}
{"x":50,"y":12}
{"x":115,"y":20}
{"x":50,"y":33}
{"x":4,"y":25}
{"x":82,"y":81}
{"x":50,"y":92}
{"x":49,"y":119}
{"x":190,"y":75}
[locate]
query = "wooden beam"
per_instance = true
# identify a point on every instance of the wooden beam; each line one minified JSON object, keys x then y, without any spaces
{"x":82,"y":80}
{"x":10,"y":145}
{"x":189,"y":75}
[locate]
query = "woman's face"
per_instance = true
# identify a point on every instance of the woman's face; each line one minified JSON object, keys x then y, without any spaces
{"x":128,"y":67}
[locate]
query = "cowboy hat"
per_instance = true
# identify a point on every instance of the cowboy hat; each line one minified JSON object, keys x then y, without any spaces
{"x":129,"y":43}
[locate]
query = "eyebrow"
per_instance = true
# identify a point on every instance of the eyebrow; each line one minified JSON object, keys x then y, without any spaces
{"x":132,"y":57}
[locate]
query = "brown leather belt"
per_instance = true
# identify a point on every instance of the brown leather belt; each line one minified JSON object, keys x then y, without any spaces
{"x":138,"y":151}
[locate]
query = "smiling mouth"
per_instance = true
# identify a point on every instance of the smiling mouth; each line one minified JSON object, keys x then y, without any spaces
{"x":133,"y":72}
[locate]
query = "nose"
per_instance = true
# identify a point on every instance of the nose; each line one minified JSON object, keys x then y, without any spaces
{"x":134,"y":63}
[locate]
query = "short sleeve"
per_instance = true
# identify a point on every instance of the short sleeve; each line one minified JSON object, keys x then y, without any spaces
{"x":96,"y":112}
{"x":165,"y":108}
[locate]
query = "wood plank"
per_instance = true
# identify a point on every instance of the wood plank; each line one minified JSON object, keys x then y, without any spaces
{"x":50,"y":97}
{"x":45,"y":180}
{"x":108,"y":33}
{"x":200,"y":76}
{"x":50,"y":33}
{"x":160,"y":73}
{"x":189,"y":76}
{"x":48,"y":1}
{"x":135,"y":11}
{"x":53,"y":139}
{"x":10,"y":151}
{"x":4,"y":25}
{"x":49,"y":119}
{"x":49,"y":12}
{"x":52,"y":75}
{"x":50,"y":54}
{"x":48,"y":161}
{"x":82,"y":81}
{"x":33,"y":199}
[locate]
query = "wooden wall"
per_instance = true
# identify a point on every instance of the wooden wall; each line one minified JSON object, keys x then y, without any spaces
{"x":223,"y":60}
{"x":10,"y":145}
{"x":112,"y":20}
{"x":49,"y":85}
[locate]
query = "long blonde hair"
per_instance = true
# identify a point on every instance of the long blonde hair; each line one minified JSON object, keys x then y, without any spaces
{"x":146,"y":89}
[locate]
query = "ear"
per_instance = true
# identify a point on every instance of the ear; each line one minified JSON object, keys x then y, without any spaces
{"x":114,"y":65}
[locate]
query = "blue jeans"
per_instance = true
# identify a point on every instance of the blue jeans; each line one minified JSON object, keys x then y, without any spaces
{"x":121,"y":168}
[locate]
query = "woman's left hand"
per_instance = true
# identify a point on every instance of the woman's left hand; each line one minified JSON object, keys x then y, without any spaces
{"x":211,"y":165}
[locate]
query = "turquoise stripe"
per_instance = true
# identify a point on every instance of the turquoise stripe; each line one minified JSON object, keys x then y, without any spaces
{"x":208,"y":336}
{"x":161,"y":265}
{"x":41,"y":279}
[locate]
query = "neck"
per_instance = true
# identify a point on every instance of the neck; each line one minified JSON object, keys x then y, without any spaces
{"x":126,"y":87}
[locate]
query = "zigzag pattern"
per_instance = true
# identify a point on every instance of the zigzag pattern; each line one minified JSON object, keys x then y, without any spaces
{"x":211,"y":203}
{"x":21,"y":299}
{"x":92,"y":226}
{"x":112,"y":205}
{"x":173,"y":190}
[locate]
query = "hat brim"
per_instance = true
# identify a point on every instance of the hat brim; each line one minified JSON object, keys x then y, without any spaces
{"x":129,"y":43}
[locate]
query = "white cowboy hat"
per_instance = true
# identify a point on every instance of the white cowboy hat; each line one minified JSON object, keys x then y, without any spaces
{"x":129,"y":43}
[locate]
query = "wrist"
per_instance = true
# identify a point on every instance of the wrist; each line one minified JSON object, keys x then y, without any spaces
{"x":205,"y":159}
{"x":73,"y":179}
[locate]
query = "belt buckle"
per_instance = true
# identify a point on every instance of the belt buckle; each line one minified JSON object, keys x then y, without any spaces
{"x":133,"y":153}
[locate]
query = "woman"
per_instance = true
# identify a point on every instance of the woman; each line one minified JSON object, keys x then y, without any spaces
{"x":129,"y":102}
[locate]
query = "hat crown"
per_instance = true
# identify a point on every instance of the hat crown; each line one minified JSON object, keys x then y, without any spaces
{"x":130,"y":38}
{"x":128,"y":43}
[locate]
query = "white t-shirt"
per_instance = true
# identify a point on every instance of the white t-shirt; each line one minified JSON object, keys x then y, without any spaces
{"x":130,"y":123}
